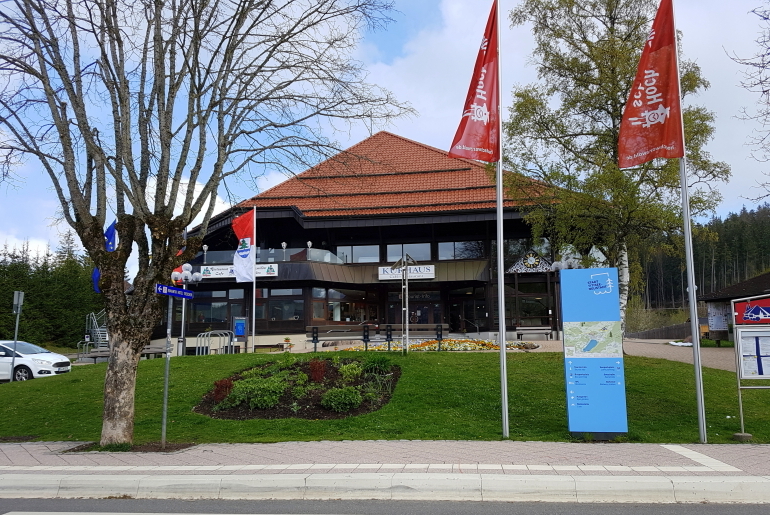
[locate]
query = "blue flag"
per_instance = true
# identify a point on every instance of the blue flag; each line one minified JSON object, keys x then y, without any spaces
{"x":95,"y":276}
{"x":110,"y":236}
{"x":110,"y":240}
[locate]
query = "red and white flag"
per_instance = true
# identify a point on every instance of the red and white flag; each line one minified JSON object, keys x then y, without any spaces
{"x":478,"y":136}
{"x":243,"y":259}
{"x":652,"y":120}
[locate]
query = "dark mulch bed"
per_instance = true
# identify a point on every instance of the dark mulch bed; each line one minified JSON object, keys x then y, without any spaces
{"x":308,"y":407}
{"x":144,"y":447}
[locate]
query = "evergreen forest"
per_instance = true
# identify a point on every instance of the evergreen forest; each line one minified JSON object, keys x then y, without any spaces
{"x":58,"y":294}
{"x":726,"y":251}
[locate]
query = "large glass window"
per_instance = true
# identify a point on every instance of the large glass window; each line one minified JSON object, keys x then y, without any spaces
{"x":285,"y":292}
{"x":461,"y":250}
{"x":208,"y":312}
{"x":346,"y":294}
{"x":418,"y":251}
{"x":287,"y":309}
{"x":359,"y":253}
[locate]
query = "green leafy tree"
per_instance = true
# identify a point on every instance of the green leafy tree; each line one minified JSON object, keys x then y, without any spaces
{"x":140,"y":110}
{"x":563,"y":132}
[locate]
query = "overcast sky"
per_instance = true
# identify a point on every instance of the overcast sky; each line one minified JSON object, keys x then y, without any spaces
{"x":426,"y":58}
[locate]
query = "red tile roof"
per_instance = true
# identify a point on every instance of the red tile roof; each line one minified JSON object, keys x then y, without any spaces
{"x":385,"y":174}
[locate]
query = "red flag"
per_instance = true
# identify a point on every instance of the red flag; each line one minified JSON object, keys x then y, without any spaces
{"x":478,"y":136}
{"x":243,"y":226}
{"x":652,"y":120}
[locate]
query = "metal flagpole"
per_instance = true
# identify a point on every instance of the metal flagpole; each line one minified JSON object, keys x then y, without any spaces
{"x":254,"y":280}
{"x":690,"y":263}
{"x":500,"y":247}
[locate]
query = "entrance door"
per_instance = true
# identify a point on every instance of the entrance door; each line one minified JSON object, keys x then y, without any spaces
{"x":425,"y":313}
{"x":467,"y":315}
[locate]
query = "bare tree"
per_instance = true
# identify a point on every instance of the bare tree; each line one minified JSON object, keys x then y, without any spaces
{"x":139,"y":109}
{"x":757,"y":80}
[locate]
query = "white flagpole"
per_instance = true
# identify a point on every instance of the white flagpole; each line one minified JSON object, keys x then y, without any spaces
{"x":690,"y":262}
{"x":501,"y":242}
{"x":253,"y":254}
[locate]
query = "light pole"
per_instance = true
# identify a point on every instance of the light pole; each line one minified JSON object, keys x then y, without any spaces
{"x":403,"y":264}
{"x":205,"y":249}
{"x":185,"y":277}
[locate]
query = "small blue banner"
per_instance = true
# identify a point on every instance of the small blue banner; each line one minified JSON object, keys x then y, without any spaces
{"x":593,"y":351}
{"x":174,"y":292}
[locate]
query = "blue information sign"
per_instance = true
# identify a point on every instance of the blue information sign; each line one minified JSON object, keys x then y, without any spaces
{"x":174,"y":292}
{"x":593,"y":351}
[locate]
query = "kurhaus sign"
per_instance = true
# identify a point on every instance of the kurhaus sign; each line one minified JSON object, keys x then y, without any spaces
{"x":415,"y":272}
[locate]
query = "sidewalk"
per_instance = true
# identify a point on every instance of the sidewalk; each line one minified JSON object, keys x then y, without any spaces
{"x":408,"y":470}
{"x":405,"y":470}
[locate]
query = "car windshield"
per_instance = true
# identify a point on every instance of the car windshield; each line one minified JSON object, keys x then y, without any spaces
{"x":26,"y":348}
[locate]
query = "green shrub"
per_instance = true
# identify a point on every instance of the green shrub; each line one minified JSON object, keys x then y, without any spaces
{"x":351,"y":371}
{"x":299,"y":392}
{"x":257,"y":392}
{"x":377,"y":364}
{"x":301,"y":379}
{"x":341,"y":399}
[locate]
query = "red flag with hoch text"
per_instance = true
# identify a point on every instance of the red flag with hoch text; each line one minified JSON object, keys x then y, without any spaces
{"x":478,"y":136}
{"x":652,"y":120}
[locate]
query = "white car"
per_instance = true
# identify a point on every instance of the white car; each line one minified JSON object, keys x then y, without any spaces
{"x":31,"y":361}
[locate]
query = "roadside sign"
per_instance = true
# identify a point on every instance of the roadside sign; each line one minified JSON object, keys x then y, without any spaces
{"x":174,"y":292}
{"x":18,"y":301}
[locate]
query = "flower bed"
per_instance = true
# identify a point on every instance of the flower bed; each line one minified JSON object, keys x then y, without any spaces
{"x":449,"y":345}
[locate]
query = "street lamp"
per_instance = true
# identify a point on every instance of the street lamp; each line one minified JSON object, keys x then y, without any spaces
{"x":185,"y":277}
{"x":205,"y":249}
{"x":403,"y":264}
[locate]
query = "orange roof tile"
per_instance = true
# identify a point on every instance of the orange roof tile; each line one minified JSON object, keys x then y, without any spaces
{"x":385,"y":174}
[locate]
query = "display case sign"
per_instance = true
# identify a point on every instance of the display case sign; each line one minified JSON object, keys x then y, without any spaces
{"x":593,"y":351}
{"x":754,"y":353}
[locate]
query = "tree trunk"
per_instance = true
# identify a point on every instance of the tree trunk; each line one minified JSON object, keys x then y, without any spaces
{"x":119,"y":392}
{"x":624,"y":277}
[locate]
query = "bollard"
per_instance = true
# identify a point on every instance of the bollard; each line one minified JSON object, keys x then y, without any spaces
{"x":439,"y":336}
{"x":389,"y":334}
{"x":366,"y":338}
{"x":315,"y":339}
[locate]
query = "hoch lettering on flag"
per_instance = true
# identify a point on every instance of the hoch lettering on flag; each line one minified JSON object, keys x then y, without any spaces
{"x":651,"y":126}
{"x":478,"y":136}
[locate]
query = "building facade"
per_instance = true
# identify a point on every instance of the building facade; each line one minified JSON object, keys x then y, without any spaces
{"x":327,"y":240}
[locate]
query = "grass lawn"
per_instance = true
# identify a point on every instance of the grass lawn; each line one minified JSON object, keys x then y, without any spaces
{"x":440,"y":396}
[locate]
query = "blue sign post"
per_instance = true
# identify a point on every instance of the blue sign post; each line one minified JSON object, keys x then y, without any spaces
{"x":593,"y":352}
{"x":174,"y":292}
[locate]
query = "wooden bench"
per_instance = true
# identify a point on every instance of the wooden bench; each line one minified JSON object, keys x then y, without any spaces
{"x":537,"y":330}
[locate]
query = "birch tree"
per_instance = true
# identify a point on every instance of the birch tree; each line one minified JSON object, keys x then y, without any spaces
{"x":563,"y":131}
{"x":139,"y":109}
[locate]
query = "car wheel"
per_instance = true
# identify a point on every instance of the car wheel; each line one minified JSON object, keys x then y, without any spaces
{"x":22,"y":374}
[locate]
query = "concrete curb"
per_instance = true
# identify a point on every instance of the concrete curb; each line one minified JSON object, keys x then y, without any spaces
{"x":397,"y":486}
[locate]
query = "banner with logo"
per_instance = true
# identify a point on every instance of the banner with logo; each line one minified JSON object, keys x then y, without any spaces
{"x":593,"y":351}
{"x":243,"y":261}
{"x":478,"y":135}
{"x":652,"y":120}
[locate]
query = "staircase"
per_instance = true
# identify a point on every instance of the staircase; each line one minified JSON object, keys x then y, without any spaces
{"x":97,"y":338}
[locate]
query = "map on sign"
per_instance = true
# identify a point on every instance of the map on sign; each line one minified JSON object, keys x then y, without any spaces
{"x":593,"y":339}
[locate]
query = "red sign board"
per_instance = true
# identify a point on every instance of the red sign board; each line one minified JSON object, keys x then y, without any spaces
{"x":753,"y":312}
